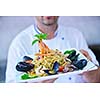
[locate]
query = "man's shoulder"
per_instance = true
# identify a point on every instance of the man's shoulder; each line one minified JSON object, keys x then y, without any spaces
{"x":27,"y":30}
{"x":23,"y":35}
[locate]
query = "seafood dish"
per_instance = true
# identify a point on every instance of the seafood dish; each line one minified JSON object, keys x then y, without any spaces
{"x":48,"y":62}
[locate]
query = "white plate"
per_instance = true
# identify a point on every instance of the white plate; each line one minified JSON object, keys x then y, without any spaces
{"x":89,"y":66}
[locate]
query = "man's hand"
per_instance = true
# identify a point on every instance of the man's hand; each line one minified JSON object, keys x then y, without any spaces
{"x":86,"y":54}
{"x":92,"y":76}
{"x":49,"y":80}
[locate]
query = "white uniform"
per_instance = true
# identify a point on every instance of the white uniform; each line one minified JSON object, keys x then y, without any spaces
{"x":65,"y":38}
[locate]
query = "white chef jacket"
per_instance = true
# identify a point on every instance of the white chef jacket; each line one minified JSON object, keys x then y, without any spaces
{"x":65,"y":38}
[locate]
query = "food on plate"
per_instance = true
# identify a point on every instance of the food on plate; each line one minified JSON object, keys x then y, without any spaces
{"x":49,"y":62}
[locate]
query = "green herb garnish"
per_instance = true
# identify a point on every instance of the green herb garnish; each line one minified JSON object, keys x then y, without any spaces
{"x":26,"y":76}
{"x":42,"y":36}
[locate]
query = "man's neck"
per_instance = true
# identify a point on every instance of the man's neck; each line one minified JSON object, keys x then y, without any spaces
{"x":50,"y":30}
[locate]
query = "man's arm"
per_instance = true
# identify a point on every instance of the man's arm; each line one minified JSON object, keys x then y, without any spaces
{"x":13,"y":55}
{"x":92,"y":76}
{"x":11,"y":63}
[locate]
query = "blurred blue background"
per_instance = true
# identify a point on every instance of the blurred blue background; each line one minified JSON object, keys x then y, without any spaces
{"x":10,"y":26}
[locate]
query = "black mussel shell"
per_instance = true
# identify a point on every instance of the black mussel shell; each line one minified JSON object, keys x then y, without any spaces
{"x":56,"y":66}
{"x":73,"y":53}
{"x":80,"y":64}
{"x":26,"y":58}
{"x":75,"y":58}
{"x":24,"y":67}
{"x":49,"y":72}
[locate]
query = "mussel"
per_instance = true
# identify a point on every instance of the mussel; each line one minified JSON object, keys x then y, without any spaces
{"x":56,"y":66}
{"x":27,"y":59}
{"x":54,"y":70}
{"x":72,"y":54}
{"x":50,"y":72}
{"x":80,"y":64}
{"x":75,"y":58}
{"x":24,"y":67}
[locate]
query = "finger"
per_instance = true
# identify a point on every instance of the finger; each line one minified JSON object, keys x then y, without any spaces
{"x":86,"y":54}
{"x":49,"y":80}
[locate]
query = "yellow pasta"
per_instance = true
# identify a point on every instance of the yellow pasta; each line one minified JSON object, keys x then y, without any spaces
{"x":49,"y":59}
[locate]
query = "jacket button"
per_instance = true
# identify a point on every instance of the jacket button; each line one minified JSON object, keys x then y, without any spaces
{"x":70,"y":78}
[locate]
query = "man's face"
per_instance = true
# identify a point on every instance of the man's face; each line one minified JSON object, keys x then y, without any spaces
{"x":47,"y":20}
